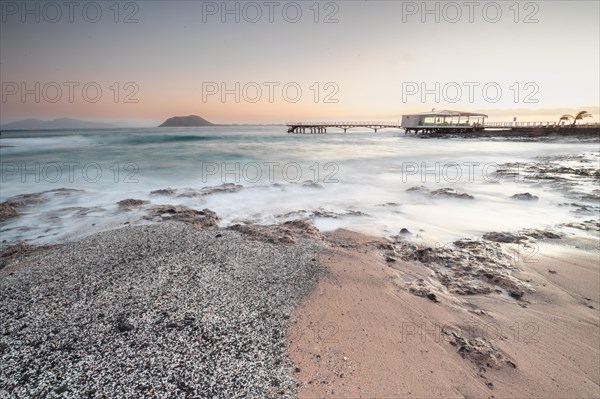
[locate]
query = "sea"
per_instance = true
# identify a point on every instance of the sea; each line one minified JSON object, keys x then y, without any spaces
{"x":439,"y":189}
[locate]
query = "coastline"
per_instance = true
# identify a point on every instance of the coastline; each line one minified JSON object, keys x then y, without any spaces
{"x":162,"y":301}
{"x":345,"y":326}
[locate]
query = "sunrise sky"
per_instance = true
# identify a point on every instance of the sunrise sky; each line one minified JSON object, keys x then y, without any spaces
{"x":371,"y":60}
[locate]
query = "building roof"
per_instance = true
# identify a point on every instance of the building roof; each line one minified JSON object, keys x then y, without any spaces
{"x":446,"y":112}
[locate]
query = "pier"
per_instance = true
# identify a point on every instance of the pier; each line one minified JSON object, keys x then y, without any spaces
{"x":321,"y":127}
{"x":440,"y":122}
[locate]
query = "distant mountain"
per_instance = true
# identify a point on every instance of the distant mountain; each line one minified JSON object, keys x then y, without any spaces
{"x":61,"y":123}
{"x":186,"y":121}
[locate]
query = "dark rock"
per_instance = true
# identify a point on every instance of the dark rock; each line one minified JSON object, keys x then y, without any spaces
{"x":223,"y":188}
{"x":540,"y":234}
{"x":588,"y":225}
{"x":431,"y":296}
{"x":405,"y":231}
{"x":502,"y":237}
{"x":419,"y":288}
{"x":419,"y":189}
{"x":297,"y":369}
{"x":516,"y":294}
{"x":203,"y":218}
{"x":336,"y":215}
{"x":525,"y":197}
{"x":312,"y":184}
{"x":468,"y":244}
{"x":391,"y":203}
{"x":12,"y":252}
{"x":450,"y":192}
{"x":130,"y":202}
{"x":61,"y":389}
{"x":302,"y":228}
{"x":325,"y":214}
{"x":351,"y":212}
{"x":465,"y":267}
{"x":425,"y":255}
{"x":552,"y":271}
{"x":63,"y":191}
{"x":24,"y":200}
{"x":7,"y":211}
{"x":19,"y":248}
{"x":124,"y":326}
{"x":390,"y":259}
{"x":478,"y":350}
{"x":190,"y":194}
{"x":165,"y":191}
{"x":513,"y":287}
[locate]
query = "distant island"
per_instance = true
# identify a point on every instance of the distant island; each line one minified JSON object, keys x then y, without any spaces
{"x":61,"y":123}
{"x":186,"y":121}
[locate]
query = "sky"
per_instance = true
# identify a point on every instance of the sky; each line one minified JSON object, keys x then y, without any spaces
{"x":140,"y":62}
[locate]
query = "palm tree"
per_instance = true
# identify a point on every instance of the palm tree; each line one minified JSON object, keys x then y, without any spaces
{"x":580,"y":115}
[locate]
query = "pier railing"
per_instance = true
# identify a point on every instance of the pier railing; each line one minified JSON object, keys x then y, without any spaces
{"x":321,"y":127}
{"x":519,"y":124}
{"x":498,"y":125}
{"x":353,"y":124}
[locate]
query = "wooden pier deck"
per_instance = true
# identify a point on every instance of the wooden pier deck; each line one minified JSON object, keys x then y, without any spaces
{"x":321,"y":127}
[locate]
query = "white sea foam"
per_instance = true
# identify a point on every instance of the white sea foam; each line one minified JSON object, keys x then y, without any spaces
{"x":361,"y":180}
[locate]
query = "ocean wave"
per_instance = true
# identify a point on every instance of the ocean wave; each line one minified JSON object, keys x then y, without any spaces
{"x":156,"y":139}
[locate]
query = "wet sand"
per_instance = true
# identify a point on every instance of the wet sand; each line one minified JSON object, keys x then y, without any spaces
{"x":360,"y":333}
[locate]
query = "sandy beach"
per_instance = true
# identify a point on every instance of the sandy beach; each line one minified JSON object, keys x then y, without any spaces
{"x":376,"y":339}
{"x":286,"y":311}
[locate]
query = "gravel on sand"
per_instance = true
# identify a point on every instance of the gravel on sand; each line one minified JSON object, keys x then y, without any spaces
{"x":163,"y":310}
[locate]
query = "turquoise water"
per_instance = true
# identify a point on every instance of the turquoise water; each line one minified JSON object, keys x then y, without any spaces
{"x":361,"y":179}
